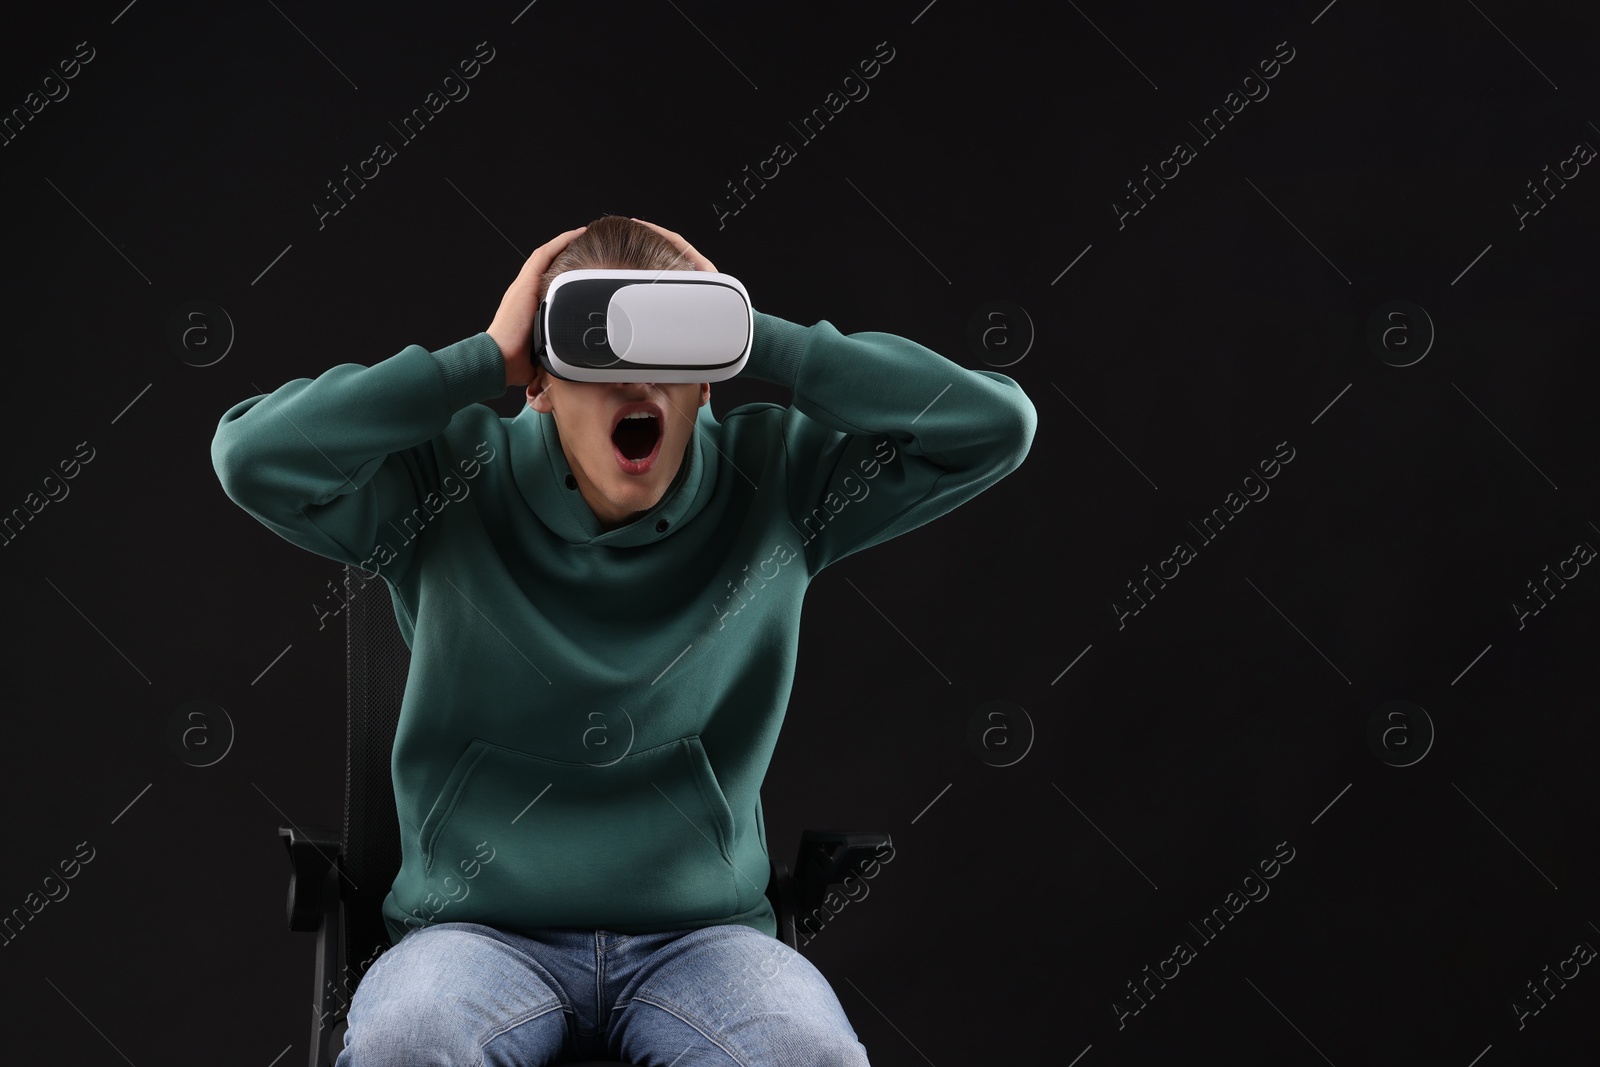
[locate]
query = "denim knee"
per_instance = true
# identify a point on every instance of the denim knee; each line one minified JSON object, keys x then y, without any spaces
{"x":407,"y":1027}
{"x":442,"y":996}
{"x":732,"y":994}
{"x":819,"y":1044}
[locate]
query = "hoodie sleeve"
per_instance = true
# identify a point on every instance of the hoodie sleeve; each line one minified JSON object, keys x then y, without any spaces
{"x":337,"y":463}
{"x":883,"y":435}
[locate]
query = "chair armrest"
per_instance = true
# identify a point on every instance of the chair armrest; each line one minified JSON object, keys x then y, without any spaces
{"x":313,"y":852}
{"x":827,"y":858}
{"x":314,"y":902}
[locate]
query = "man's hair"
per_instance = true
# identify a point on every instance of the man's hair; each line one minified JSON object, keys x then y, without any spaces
{"x":615,"y":242}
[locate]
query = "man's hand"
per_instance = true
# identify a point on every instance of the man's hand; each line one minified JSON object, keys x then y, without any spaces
{"x":512,"y":328}
{"x":700,"y":262}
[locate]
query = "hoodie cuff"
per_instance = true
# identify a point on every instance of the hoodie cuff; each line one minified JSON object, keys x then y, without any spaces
{"x":777,"y":350}
{"x":474,"y":370}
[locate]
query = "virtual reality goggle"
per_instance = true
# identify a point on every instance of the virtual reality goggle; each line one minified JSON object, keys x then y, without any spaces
{"x":644,"y":326}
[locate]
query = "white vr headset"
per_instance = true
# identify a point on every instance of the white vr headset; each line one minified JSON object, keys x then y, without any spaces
{"x":644,"y":326}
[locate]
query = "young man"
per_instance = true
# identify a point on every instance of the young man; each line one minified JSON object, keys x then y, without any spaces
{"x":603,"y":648}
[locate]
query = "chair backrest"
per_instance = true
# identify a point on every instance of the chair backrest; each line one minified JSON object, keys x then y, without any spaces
{"x":377,"y":661}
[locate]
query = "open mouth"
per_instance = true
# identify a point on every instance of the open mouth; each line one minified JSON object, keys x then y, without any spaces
{"x":636,"y":441}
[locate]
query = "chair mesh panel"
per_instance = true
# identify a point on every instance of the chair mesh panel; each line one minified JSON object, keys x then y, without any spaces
{"x":377,"y":661}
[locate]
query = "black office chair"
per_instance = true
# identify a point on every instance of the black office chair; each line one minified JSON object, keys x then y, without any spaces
{"x":326,"y":865}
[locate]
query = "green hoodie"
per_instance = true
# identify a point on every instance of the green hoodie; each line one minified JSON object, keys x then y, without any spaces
{"x":589,"y":715}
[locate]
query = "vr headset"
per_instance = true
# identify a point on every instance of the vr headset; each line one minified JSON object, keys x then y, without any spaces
{"x":644,"y":326}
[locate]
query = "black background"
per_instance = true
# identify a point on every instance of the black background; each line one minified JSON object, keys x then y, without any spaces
{"x":1180,"y":349}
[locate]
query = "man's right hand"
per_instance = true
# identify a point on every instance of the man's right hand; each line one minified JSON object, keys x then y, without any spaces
{"x":512,"y":328}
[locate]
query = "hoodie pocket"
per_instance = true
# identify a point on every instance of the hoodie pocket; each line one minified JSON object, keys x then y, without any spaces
{"x":644,"y":840}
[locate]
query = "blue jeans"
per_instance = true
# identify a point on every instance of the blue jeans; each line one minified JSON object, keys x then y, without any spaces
{"x":469,"y":994}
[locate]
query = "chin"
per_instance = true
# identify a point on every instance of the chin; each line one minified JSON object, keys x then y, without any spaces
{"x":636,"y":497}
{"x":638,"y":491}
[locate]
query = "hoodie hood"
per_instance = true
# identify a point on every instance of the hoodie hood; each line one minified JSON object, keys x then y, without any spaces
{"x":541,"y":471}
